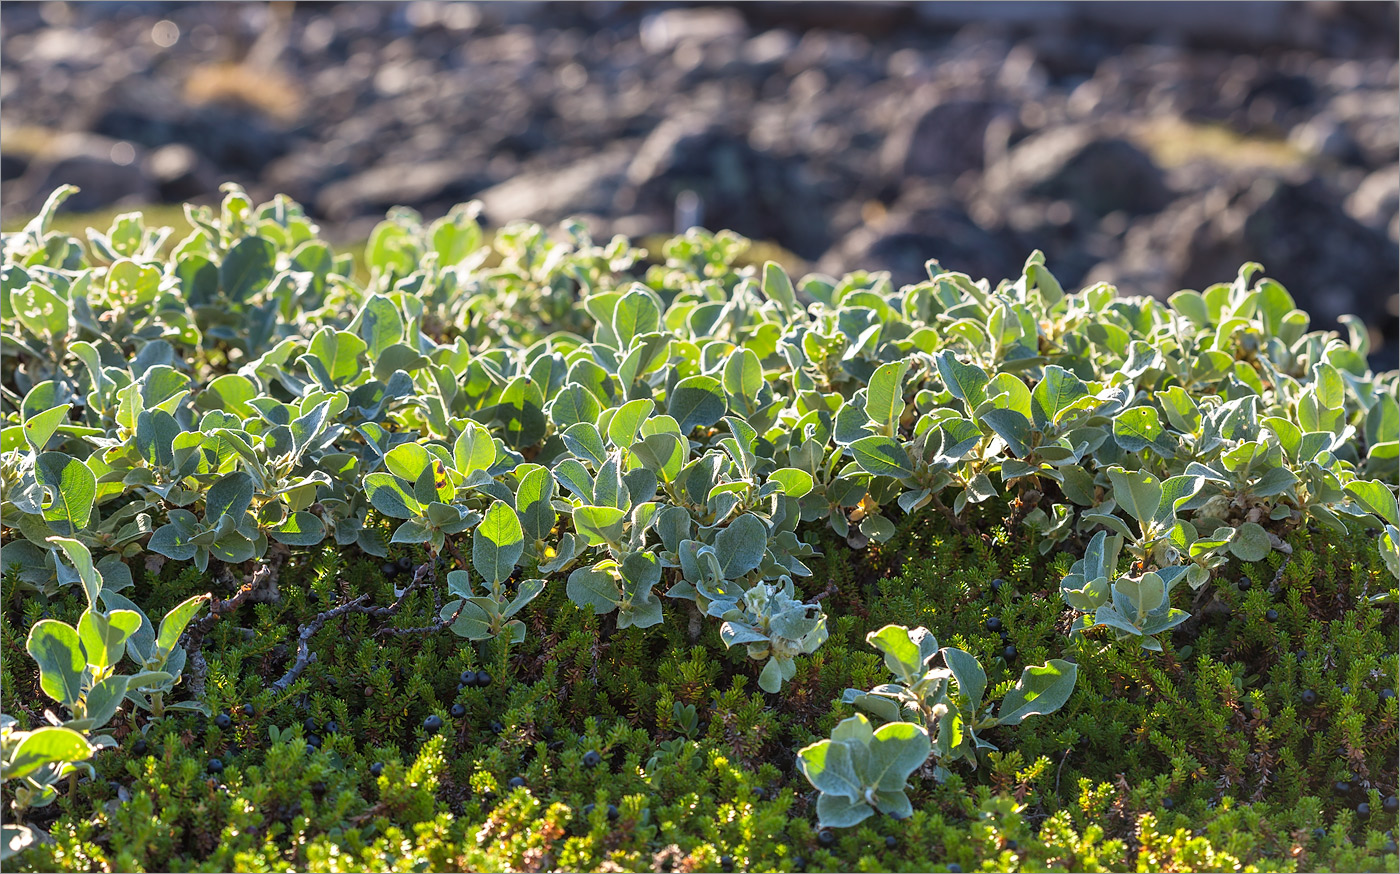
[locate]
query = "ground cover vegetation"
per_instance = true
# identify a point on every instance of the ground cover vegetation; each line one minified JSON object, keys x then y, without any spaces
{"x":536,"y":553}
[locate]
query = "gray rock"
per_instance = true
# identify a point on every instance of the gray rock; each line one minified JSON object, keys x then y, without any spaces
{"x":944,"y":141}
{"x":663,"y":31}
{"x":1098,"y":172}
{"x":422,"y":186}
{"x":748,"y":190}
{"x":1376,"y":201}
{"x":180,"y":173}
{"x":107,"y":172}
{"x":584,"y":187}
{"x":1297,"y":228}
{"x":927,"y":224}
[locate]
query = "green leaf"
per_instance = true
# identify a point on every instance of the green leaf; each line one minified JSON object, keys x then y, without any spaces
{"x":884,"y":397}
{"x":497,"y":543}
{"x":1138,"y":428}
{"x":230,"y":495}
{"x":1012,"y":427}
{"x":898,"y":750}
{"x":59,"y":652}
{"x":1138,"y":492}
{"x":1042,"y":689}
{"x":903,"y":655}
{"x":39,"y":427}
{"x":104,"y":637}
{"x":879,"y":455}
{"x":967,"y":382}
{"x":73,"y":488}
{"x":599,"y":525}
{"x":173,"y":625}
{"x":741,"y":545}
{"x":696,"y":402}
{"x":743,"y":375}
{"x":81,"y":558}
{"x":572,"y":405}
{"x":623,"y":427}
{"x":381,"y":325}
{"x":972,"y":680}
{"x":636,"y":314}
{"x":301,"y":528}
{"x":794,"y":482}
{"x":1377,"y":498}
{"x":1057,"y":390}
{"x":522,"y":410}
{"x":778,"y":287}
{"x":1251,"y":542}
{"x":590,"y":587}
{"x":248,"y":268}
{"x":49,"y":745}
{"x":533,"y":499}
{"x":827,"y":766}
{"x":388,"y":495}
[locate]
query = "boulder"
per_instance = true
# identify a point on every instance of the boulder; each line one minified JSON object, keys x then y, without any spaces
{"x":943,"y":141}
{"x":1093,"y":170}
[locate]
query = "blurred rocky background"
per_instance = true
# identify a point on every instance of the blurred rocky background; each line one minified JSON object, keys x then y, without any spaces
{"x":1155,"y":145}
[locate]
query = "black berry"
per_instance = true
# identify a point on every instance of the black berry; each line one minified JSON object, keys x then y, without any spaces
{"x":588,"y":810}
{"x":954,"y":868}
{"x":318,"y":788}
{"x":388,"y":568}
{"x":993,"y":624}
{"x":997,"y":584}
{"x":496,"y":727}
{"x":215,"y":766}
{"x":1391,"y":804}
{"x":547,"y":732}
{"x":1309,"y":697}
{"x":1319,"y":833}
{"x":376,"y":769}
{"x":799,"y":863}
{"x":483,"y":679}
{"x":332,"y":727}
{"x":1013,"y":846}
{"x":467,"y":678}
{"x":826,"y":837}
{"x":1387,"y":694}
{"x":891,"y":842}
{"x":458,"y":711}
{"x":405,"y":563}
{"x":1168,"y":804}
{"x":1341,"y":787}
{"x":309,"y":725}
{"x":516,"y":782}
{"x":591,"y":759}
{"x":248,"y":710}
{"x":313,"y":741}
{"x":139,"y":748}
{"x":433,"y":722}
{"x":1009,"y":652}
{"x":1245,"y":583}
{"x":726,"y":862}
{"x":310,"y":750}
{"x":1363,"y":810}
{"x":612,"y":813}
{"x":1271,"y":615}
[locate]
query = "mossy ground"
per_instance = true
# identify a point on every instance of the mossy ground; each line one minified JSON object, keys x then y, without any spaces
{"x":1198,"y":758}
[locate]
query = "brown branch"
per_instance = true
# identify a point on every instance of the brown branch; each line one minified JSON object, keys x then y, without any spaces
{"x":959,"y":525}
{"x":193,"y":639}
{"x":304,"y":654}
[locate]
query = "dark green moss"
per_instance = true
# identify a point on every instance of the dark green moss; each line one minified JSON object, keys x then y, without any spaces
{"x":1197,"y":758}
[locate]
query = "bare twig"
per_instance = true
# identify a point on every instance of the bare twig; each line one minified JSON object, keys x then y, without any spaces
{"x":958,"y":525}
{"x":304,"y":654}
{"x":193,"y":640}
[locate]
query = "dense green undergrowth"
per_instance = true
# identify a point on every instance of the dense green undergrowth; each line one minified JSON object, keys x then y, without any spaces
{"x":404,"y":536}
